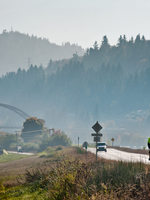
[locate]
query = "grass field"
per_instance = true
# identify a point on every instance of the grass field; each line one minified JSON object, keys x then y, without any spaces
{"x":11,"y":157}
{"x":72,"y":174}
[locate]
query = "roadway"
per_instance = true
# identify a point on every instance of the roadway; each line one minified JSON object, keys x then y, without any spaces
{"x":22,"y":153}
{"x":113,"y":154}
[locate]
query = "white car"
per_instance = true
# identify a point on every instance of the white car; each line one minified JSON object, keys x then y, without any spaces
{"x":101,"y":146}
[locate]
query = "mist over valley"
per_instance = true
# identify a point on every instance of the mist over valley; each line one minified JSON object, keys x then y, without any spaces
{"x":108,"y":83}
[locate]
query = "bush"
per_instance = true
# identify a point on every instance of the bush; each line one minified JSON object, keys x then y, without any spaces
{"x":56,"y":139}
{"x":30,"y":147}
{"x":80,"y":150}
{"x":7,"y":140}
{"x":76,"y":180}
{"x":32,"y":129}
{"x":70,"y":179}
{"x":59,"y":148}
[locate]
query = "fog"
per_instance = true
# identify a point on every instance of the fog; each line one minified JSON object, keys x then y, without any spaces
{"x":108,"y":83}
{"x":52,"y":68}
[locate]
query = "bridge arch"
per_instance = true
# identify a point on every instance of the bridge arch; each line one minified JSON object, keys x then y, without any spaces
{"x":16,"y":110}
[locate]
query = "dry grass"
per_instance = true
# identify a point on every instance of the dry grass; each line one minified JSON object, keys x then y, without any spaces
{"x":71,"y":173}
{"x":11,"y":170}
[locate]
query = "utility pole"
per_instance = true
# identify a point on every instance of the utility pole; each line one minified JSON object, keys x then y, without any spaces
{"x":78,"y":141}
{"x":17,"y":137}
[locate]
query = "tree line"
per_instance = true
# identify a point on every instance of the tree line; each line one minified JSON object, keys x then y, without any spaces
{"x":105,"y":78}
{"x":106,"y":83}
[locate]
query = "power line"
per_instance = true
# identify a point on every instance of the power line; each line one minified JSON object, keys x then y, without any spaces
{"x":34,"y":131}
{"x":9,"y":127}
{"x":40,"y":130}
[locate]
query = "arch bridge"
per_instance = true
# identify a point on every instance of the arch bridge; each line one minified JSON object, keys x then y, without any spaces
{"x":16,"y":110}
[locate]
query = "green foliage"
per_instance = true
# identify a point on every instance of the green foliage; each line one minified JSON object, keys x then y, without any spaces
{"x":51,"y":152}
{"x":118,"y":175}
{"x":55,"y":139}
{"x":59,"y":148}
{"x":7,"y":140}
{"x":61,"y":182}
{"x":2,"y":188}
{"x":80,"y":150}
{"x":11,"y":157}
{"x":32,"y":124}
{"x":30,"y":147}
{"x":76,"y":180}
{"x":32,"y":128}
{"x":60,"y":139}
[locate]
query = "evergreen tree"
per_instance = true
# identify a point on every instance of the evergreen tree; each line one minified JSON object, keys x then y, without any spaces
{"x":95,"y":45}
{"x":105,"y":43}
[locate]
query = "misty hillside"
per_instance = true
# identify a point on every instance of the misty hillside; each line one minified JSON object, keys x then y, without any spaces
{"x":109,"y":83}
{"x":21,"y":50}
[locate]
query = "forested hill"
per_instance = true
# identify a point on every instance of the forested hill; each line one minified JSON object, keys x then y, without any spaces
{"x":21,"y":50}
{"x":108,"y":83}
{"x":133,"y":55}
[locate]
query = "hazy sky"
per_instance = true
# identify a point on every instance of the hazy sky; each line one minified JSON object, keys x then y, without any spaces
{"x":77,"y":21}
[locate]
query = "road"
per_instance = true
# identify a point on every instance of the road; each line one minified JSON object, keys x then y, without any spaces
{"x":22,"y":153}
{"x":113,"y":154}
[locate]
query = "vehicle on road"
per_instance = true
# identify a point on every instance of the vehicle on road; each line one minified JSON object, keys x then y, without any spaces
{"x":19,"y":149}
{"x":101,"y":146}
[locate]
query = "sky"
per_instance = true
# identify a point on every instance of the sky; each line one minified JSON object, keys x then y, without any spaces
{"x":78,"y":21}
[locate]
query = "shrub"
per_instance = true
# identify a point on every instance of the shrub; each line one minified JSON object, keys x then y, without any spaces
{"x":80,"y":150}
{"x":76,"y":180}
{"x":30,"y":147}
{"x":7,"y":140}
{"x":55,"y":140}
{"x":59,"y":148}
{"x":73,"y":179}
{"x":32,"y":129}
